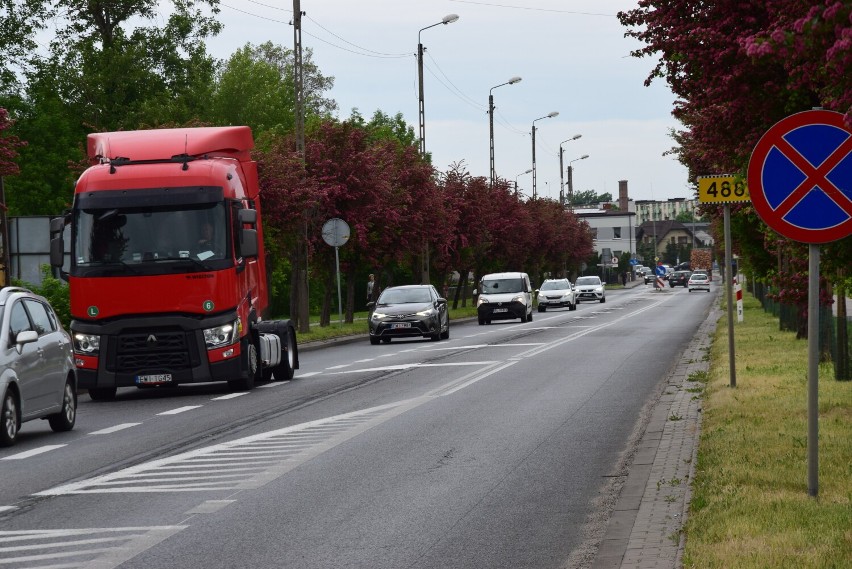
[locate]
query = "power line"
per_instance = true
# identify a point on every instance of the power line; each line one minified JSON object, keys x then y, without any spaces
{"x":529,"y":8}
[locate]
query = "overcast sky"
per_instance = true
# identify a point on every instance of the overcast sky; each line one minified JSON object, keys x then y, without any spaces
{"x":572,"y":57}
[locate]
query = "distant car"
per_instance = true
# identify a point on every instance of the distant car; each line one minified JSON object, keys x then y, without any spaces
{"x":38,"y":379}
{"x":679,"y":278}
{"x":590,"y":288}
{"x":409,"y":311}
{"x":502,"y":296}
{"x":698,"y":281}
{"x":650,"y":277}
{"x":556,"y":293}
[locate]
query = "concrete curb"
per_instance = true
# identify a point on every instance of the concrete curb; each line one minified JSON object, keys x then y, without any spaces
{"x":645,"y":529}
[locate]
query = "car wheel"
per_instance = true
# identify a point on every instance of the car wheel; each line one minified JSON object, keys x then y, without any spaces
{"x":541,"y":309}
{"x":386,"y":340}
{"x":481,"y":321}
{"x":102,"y":393}
{"x":11,"y":420}
{"x":572,"y":306}
{"x":374,"y":341}
{"x":529,"y":318}
{"x":603,"y":299}
{"x":67,"y":416}
{"x":446,"y":333}
{"x":690,"y":290}
{"x":436,"y":337}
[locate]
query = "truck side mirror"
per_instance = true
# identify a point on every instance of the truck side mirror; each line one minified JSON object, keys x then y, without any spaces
{"x":248,"y":242}
{"x":247,"y":216}
{"x":57,"y":243}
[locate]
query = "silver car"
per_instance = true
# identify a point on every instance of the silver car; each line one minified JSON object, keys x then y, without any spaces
{"x":590,"y":288}
{"x":556,"y":293}
{"x":37,"y":376}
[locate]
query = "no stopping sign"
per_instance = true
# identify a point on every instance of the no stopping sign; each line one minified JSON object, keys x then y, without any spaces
{"x":800,"y":177}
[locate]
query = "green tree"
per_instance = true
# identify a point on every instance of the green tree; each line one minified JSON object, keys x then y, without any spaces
{"x":256,"y":88}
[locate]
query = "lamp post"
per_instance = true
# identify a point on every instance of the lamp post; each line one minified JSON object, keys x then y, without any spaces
{"x":547,"y":116}
{"x":449,"y":19}
{"x":518,"y":176}
{"x":511,"y":81}
{"x":561,"y":183}
{"x":571,"y":181}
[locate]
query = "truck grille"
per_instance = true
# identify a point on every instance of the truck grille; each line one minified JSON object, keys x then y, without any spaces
{"x":134,"y":351}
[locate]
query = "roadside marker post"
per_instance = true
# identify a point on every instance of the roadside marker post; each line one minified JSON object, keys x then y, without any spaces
{"x":800,"y":173}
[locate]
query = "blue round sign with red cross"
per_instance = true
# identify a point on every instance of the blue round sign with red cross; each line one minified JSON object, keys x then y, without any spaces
{"x":800,"y":177}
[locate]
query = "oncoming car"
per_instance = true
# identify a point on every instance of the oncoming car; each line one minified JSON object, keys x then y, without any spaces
{"x":590,"y":288}
{"x":37,"y":374}
{"x":409,"y":311}
{"x":555,"y":293}
{"x":502,"y":296}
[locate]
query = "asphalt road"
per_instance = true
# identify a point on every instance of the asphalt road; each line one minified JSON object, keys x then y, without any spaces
{"x":491,"y":449}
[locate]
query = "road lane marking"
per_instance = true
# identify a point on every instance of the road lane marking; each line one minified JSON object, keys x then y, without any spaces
{"x":230,"y":396}
{"x":210,"y":506}
{"x":338,"y":367}
{"x":33,"y":452}
{"x":273,"y":384}
{"x":110,"y":430}
{"x":309,"y":374}
{"x":180,"y":410}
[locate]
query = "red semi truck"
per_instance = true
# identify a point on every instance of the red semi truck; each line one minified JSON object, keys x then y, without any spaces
{"x":167,"y":271}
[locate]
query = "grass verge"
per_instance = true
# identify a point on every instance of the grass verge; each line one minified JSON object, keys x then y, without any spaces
{"x":750,"y":506}
{"x":359,"y":326}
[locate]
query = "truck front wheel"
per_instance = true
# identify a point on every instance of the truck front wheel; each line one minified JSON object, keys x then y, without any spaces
{"x":250,"y":367}
{"x":102,"y":393}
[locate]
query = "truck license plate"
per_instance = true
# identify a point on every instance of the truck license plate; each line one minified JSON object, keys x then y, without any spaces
{"x":154,"y":379}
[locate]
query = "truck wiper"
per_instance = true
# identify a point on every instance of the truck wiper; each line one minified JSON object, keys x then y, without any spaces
{"x":196,"y":262}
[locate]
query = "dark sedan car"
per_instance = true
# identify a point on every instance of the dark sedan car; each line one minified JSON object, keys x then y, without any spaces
{"x":409,"y":311}
{"x":679,"y":278}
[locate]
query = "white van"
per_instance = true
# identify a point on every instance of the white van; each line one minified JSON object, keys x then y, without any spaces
{"x":502,"y":296}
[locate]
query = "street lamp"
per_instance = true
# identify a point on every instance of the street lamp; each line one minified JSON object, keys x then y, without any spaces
{"x":571,"y":181}
{"x":518,"y":176}
{"x":547,"y":116}
{"x":449,"y":19}
{"x":511,"y":81}
{"x":561,"y":183}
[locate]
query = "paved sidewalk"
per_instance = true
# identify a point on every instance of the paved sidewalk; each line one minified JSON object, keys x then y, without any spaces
{"x":644,"y":530}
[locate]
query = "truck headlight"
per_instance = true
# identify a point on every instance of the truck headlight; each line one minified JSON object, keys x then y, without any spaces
{"x":224,"y":335}
{"x":88,"y":344}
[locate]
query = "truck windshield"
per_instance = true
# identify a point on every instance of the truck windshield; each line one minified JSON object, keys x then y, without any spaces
{"x":139,"y":239}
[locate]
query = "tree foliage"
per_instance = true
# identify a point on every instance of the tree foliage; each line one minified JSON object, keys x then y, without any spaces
{"x":737,"y":68}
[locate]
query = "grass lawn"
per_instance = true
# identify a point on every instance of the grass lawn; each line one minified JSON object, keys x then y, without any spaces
{"x":750,"y":506}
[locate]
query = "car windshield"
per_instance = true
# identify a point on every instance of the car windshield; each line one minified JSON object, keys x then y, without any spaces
{"x":405,"y":296}
{"x":588,"y":281}
{"x":497,"y":286}
{"x":555,"y":285}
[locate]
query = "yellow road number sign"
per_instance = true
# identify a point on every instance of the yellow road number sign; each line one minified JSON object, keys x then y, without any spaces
{"x":722,"y":189}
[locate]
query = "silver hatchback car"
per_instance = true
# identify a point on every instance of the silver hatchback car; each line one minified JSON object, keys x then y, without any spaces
{"x":37,"y":375}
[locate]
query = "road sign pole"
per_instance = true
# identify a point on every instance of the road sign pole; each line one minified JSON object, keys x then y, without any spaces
{"x":813,"y":369}
{"x":339,"y":297}
{"x":729,"y":292}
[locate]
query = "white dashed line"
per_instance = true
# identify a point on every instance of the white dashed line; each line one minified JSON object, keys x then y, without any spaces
{"x":110,"y":430}
{"x":33,"y":452}
{"x":180,"y":410}
{"x":274,"y":384}
{"x":230,"y":396}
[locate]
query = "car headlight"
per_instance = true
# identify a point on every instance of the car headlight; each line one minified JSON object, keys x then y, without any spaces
{"x":427,"y":312}
{"x":224,"y":335}
{"x":519,"y":298}
{"x":378,"y":315}
{"x":88,"y":344}
{"x":481,"y":300}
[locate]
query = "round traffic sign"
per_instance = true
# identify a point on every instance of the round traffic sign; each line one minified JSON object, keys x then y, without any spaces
{"x":335,"y":232}
{"x":800,"y":177}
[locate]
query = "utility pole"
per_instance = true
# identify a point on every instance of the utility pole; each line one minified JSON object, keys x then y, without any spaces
{"x":302,"y":290}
